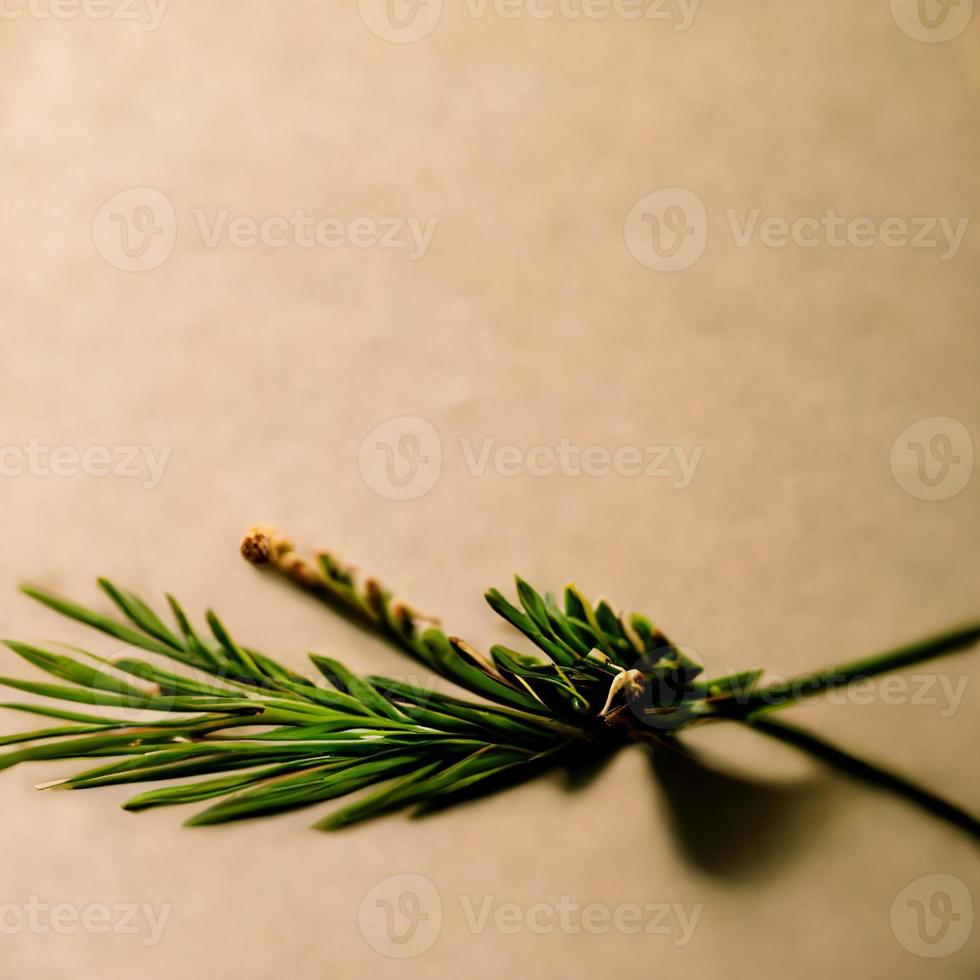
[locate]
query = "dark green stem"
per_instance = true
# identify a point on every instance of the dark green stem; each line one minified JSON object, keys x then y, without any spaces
{"x":853,"y":766}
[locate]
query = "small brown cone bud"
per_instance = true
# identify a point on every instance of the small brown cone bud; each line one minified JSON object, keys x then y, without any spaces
{"x":257,"y":547}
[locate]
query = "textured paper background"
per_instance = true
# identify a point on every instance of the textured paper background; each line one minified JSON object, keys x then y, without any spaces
{"x":527,"y":322}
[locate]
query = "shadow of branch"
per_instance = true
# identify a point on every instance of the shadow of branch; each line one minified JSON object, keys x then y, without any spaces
{"x":733,"y":827}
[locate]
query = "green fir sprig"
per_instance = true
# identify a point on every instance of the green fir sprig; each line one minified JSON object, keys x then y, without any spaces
{"x":254,"y":737}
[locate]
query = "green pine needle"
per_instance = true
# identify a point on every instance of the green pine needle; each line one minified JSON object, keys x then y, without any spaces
{"x":257,"y":738}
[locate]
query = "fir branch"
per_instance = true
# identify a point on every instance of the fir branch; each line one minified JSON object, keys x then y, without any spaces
{"x":257,"y":738}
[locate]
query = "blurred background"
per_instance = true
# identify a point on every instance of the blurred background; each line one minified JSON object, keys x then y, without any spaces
{"x":676,"y":299}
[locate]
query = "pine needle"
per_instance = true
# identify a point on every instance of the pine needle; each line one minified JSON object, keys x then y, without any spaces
{"x":258,"y":738}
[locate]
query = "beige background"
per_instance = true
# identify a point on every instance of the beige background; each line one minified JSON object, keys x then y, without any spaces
{"x":527,"y":321}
